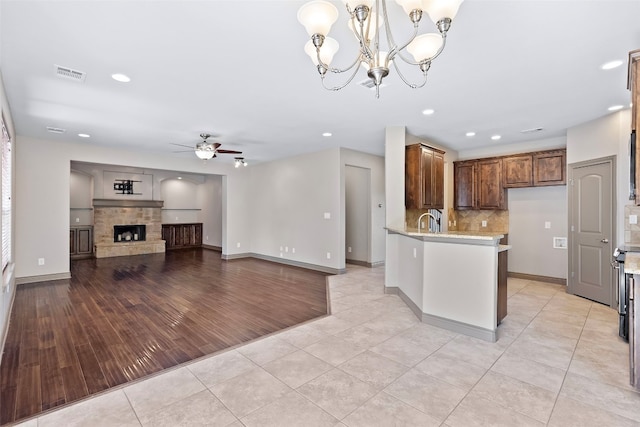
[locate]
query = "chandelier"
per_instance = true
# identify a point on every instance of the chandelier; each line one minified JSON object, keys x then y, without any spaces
{"x":366,"y":17}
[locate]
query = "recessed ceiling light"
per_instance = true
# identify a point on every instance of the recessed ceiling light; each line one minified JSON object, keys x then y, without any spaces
{"x":179,"y":177}
{"x":615,"y":107}
{"x":428,"y":111}
{"x":121,"y":78}
{"x":470,"y":134}
{"x":84,"y":135}
{"x":496,"y":137}
{"x":611,"y":65}
{"x":327,"y":134}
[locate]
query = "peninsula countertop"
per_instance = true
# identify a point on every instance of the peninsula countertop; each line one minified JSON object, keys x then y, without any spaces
{"x":632,"y":263}
{"x":461,"y":237}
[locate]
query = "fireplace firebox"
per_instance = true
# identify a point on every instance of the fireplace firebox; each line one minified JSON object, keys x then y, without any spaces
{"x":129,"y":233}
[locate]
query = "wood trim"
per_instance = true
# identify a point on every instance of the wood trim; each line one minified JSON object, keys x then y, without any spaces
{"x":43,"y":278}
{"x":547,"y":279}
{"x":119,"y":203}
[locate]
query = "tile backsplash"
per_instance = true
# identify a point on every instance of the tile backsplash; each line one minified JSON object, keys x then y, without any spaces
{"x":497,"y":221}
{"x":631,"y":231}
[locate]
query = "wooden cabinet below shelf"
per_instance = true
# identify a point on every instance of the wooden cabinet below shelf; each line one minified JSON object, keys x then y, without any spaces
{"x":81,"y":241}
{"x":178,"y":236}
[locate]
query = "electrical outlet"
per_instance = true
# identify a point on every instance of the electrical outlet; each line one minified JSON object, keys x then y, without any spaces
{"x":238,"y":245}
{"x":422,"y":225}
{"x":633,"y":219}
{"x":293,"y":250}
{"x":349,"y":249}
{"x":449,"y":223}
{"x":547,"y":224}
{"x":77,"y":219}
{"x":40,"y":261}
{"x":328,"y":255}
{"x":286,"y":248}
{"x":280,"y":254}
{"x":484,"y":223}
{"x":206,"y":238}
{"x":454,"y":222}
{"x":415,"y":253}
{"x":176,"y":218}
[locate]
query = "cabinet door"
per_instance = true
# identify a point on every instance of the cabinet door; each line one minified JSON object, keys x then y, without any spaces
{"x":491,"y":194}
{"x":437,"y":197}
{"x":465,"y":185}
{"x":198,"y":235}
{"x":549,"y":168}
{"x":426,"y":174}
{"x":518,"y":171}
{"x":72,"y":241}
{"x":84,"y":238}
{"x":412,"y":180}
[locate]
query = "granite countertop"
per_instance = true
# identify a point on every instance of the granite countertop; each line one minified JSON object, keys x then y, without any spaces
{"x":632,"y":263}
{"x":469,"y":237}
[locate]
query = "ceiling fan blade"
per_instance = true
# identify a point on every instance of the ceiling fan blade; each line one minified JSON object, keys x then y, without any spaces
{"x":228,"y":152}
{"x":216,"y":145}
{"x":182,"y":145}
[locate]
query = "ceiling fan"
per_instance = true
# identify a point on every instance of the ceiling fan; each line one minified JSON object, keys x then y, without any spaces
{"x":207,"y":150}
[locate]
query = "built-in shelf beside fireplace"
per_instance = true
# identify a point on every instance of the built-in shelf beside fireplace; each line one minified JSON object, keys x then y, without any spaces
{"x":140,"y":223}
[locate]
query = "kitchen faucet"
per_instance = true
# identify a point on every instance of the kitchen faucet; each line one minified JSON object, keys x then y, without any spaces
{"x":422,"y":216}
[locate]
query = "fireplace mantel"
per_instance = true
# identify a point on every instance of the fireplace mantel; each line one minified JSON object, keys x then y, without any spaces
{"x":126,"y":203}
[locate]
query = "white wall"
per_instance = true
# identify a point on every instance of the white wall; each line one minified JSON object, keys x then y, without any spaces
{"x":533,"y":252}
{"x":42,"y":198}
{"x":81,"y":195}
{"x":289,"y":198}
{"x":210,"y":202}
{"x":603,"y":137}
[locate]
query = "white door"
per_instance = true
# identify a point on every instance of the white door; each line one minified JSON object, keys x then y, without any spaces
{"x":591,"y":214}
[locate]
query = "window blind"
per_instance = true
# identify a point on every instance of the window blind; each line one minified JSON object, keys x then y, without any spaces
{"x":6,"y":196}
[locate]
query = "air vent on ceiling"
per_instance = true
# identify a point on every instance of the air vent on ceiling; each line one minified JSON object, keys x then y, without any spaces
{"x":532,"y":130}
{"x":370,"y":84}
{"x":69,"y":73}
{"x":55,"y":130}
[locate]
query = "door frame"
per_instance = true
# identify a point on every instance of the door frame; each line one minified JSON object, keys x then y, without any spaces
{"x":614,"y":226}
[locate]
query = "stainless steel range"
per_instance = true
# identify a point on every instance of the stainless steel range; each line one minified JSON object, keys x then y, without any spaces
{"x":622,"y":293}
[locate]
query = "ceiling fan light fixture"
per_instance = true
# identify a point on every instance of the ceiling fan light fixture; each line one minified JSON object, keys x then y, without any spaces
{"x":239,"y":161}
{"x":204,"y":151}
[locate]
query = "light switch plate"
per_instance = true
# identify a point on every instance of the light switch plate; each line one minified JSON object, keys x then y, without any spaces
{"x":547,"y":224}
{"x":327,"y":215}
{"x":633,"y":219}
{"x":484,"y":223}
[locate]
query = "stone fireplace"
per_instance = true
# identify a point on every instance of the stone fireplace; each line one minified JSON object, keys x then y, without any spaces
{"x":127,"y":227}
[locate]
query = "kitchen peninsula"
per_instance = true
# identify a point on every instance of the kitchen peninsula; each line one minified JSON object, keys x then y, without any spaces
{"x":449,"y":280}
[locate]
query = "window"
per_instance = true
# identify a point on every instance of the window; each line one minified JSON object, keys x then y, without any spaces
{"x":6,"y":196}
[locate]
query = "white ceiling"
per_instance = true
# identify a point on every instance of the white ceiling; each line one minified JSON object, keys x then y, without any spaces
{"x":237,"y":69}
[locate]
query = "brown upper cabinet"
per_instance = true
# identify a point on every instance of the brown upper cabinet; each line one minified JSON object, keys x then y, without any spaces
{"x":518,"y":171}
{"x":424,"y":177}
{"x":549,"y":168}
{"x":464,"y":190}
{"x":482,"y":183}
{"x":491,"y":193}
{"x":478,"y":185}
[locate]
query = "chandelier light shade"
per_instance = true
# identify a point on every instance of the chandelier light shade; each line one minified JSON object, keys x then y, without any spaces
{"x":367,"y":20}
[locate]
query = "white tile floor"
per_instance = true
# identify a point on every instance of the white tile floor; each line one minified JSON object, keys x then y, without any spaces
{"x":558,"y":362}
